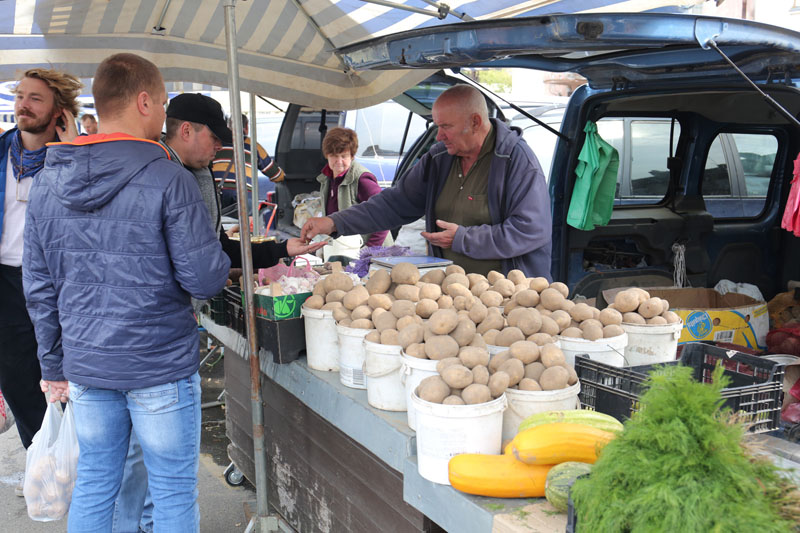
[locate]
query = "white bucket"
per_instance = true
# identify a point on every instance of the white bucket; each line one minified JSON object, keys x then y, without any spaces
{"x":352,"y":356}
{"x":524,"y":403}
{"x":385,"y":388}
{"x":322,"y":340}
{"x":415,"y":370}
{"x":651,"y":344}
{"x":609,"y":350}
{"x":447,"y":430}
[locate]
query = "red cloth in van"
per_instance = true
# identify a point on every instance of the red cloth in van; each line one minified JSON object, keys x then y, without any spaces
{"x":791,"y":215}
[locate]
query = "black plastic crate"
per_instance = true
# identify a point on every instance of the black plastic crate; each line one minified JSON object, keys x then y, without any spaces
{"x":284,"y":339}
{"x":233,"y":308}
{"x":217,"y":309}
{"x":755,"y":391}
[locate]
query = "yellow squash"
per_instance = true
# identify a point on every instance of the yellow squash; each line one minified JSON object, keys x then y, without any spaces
{"x":497,"y":476}
{"x":552,"y":444}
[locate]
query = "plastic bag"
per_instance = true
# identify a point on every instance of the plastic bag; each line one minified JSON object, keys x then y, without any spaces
{"x":791,"y":413}
{"x":51,"y":466}
{"x":784,"y":308}
{"x":6,"y":418}
{"x":596,"y":183}
{"x":286,"y":274}
{"x":784,"y":340}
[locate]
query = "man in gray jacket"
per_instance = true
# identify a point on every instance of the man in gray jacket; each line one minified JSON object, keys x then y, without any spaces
{"x":481,"y":190}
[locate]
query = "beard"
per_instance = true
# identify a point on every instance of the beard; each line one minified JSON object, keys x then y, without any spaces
{"x":30,"y":124}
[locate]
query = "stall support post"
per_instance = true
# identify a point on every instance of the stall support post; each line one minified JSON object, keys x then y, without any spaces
{"x":257,"y":225}
{"x":263,"y":522}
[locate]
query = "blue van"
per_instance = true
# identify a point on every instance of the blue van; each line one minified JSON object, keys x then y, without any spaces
{"x":703,"y":111}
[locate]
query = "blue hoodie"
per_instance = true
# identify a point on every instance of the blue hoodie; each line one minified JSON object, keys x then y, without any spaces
{"x":117,"y":239}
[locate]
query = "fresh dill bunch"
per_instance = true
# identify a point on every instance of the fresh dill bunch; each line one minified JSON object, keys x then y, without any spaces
{"x":679,"y":465}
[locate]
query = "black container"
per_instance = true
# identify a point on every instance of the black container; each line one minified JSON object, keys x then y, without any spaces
{"x":216,"y":308}
{"x":233,"y":309}
{"x":284,"y":339}
{"x":755,"y":390}
{"x":572,"y":515}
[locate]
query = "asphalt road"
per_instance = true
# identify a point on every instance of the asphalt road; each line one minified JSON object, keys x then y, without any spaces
{"x":221,"y":506}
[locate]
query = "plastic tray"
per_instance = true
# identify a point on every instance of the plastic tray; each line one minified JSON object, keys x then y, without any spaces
{"x":755,"y":391}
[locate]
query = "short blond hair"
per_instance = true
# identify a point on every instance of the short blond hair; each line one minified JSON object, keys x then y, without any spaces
{"x":65,"y":87}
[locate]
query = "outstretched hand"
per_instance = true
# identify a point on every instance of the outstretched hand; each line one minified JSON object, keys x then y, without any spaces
{"x":444,"y":238}
{"x":295,"y":246}
{"x":316,"y":226}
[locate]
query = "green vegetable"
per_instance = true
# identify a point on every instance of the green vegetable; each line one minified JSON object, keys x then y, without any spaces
{"x":559,"y":480}
{"x":679,"y":465}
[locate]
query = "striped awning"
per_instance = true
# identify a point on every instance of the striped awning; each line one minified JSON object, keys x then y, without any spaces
{"x":288,"y":49}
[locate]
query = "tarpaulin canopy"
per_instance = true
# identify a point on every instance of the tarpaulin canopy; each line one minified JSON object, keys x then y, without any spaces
{"x":288,"y":49}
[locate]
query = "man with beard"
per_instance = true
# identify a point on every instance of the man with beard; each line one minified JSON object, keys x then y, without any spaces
{"x":44,"y":106}
{"x":89,"y":124}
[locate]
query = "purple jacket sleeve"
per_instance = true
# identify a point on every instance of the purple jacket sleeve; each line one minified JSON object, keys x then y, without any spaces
{"x":367,"y":188}
{"x":391,"y":208}
{"x":527,"y":225}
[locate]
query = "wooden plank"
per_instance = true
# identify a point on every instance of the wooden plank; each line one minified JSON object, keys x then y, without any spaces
{"x":538,"y":517}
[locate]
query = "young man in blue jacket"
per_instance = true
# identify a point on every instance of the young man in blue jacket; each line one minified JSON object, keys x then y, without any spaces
{"x":118,"y":240}
{"x":41,"y":98}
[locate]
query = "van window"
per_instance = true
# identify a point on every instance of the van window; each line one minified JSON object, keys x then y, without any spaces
{"x":716,"y":178}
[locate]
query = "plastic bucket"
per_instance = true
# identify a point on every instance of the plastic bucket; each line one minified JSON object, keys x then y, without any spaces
{"x":415,"y":370}
{"x":352,"y":356}
{"x":322,"y":340}
{"x":651,"y":344}
{"x":447,"y":430}
{"x":523,"y":403}
{"x":609,"y":350}
{"x":382,"y":366}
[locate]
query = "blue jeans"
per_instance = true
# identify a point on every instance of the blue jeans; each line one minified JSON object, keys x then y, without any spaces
{"x":133,"y":509}
{"x":166,"y":419}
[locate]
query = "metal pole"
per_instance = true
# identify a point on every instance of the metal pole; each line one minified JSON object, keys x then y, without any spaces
{"x":259,"y":452}
{"x":257,"y":225}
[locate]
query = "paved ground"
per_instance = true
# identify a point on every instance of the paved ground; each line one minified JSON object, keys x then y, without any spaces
{"x":221,"y":506}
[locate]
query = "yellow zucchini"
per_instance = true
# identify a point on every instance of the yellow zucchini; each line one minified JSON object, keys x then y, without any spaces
{"x":552,"y":444}
{"x":497,"y":476}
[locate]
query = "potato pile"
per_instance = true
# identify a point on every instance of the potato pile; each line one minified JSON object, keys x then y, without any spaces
{"x":637,"y":307}
{"x":472,"y":376}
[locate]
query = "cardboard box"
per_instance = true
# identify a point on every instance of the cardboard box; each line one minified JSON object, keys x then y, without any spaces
{"x":280,"y":307}
{"x":710,"y":316}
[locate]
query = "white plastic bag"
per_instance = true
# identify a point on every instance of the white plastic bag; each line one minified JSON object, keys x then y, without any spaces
{"x":51,"y":466}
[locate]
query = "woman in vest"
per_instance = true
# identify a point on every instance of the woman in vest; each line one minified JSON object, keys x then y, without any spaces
{"x":345,"y":182}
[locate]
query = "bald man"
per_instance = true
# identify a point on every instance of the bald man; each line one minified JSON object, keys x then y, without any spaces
{"x":480,"y":188}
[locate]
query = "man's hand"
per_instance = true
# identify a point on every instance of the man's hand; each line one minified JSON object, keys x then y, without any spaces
{"x":442,"y":239}
{"x":233,"y":230}
{"x":59,"y":390}
{"x":69,"y":132}
{"x":296,"y":246}
{"x":316,"y":226}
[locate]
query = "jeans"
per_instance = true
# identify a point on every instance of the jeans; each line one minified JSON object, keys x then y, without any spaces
{"x":133,"y":509}
{"x":166,"y":419}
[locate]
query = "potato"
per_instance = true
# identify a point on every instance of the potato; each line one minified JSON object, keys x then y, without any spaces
{"x":549,"y":326}
{"x":650,"y":308}
{"x":433,"y":276}
{"x":478,"y":341}
{"x":362,"y":323}
{"x":517,"y":276}
{"x":433,"y":389}
{"x":444,"y":302}
{"x":525,"y":351}
{"x":528,"y":298}
{"x":640,"y":293}
{"x":335,"y":295}
{"x":443,"y":321}
{"x":426,"y":307}
{"x":401,"y":308}
{"x":573,"y":332}
{"x":552,"y":299}
{"x":475,"y":394}
{"x":461,"y":279}
{"x":430,"y":291}
{"x":497,"y":360}
{"x":581,"y":312}
{"x":462,"y":313}
{"x":378,"y":282}
{"x":454,"y":269}
{"x":444,"y":363}
{"x":560,"y":287}
{"x":330,"y":306}
{"x":542,"y":338}
{"x":441,"y":347}
{"x":340,"y":313}
{"x":509,"y":336}
{"x":453,"y":399}
{"x":573,"y":376}
{"x":362,"y":311}
{"x":319,"y":289}
{"x":410,"y":335}
{"x":657,"y":320}
{"x":515,"y":370}
{"x":457,"y":376}
{"x":490,"y":336}
{"x":379,"y":301}
{"x":314,"y":302}
{"x":590,"y":322}
{"x":385,"y":321}
{"x":664,"y":306}
{"x":626,"y":301}
{"x":498,"y":383}
{"x":539,"y":284}
{"x":610,"y":317}
{"x":554,"y":378}
{"x":479,"y":288}
{"x":338,"y":281}
{"x":534,"y":370}
{"x":561,"y":318}
{"x":492,"y":321}
{"x":405,"y":273}
{"x":417,"y":350}
{"x":478,"y":312}
{"x":493,"y":276}
{"x":455,"y":288}
{"x":567,"y":305}
{"x":633,"y":318}
{"x":390,"y":337}
{"x":355,"y":297}
{"x":519,"y":287}
{"x":529,"y":384}
{"x":592,"y":331}
{"x":472,"y":356}
{"x":543,"y":310}
{"x":407,"y":292}
{"x":464,"y":332}
{"x":504,"y":286}
{"x":530,"y":322}
{"x":404,"y":322}
{"x":374,"y":336}
{"x":475,"y":279}
{"x":513,"y":316}
{"x":491,"y":298}
{"x":480,"y":375}
{"x":612,"y":330}
{"x":551,"y":355}
{"x":463,"y":303}
{"x":671,"y":317}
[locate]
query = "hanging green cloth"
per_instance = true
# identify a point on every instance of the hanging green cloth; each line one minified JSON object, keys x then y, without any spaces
{"x":596,"y":183}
